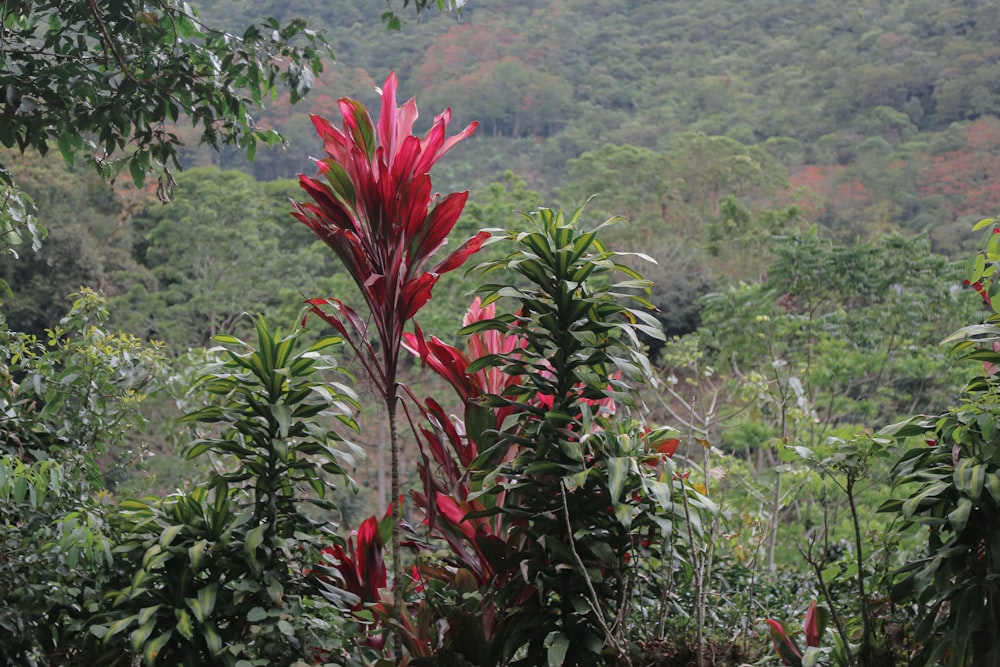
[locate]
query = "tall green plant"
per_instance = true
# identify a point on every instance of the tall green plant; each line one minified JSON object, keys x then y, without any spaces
{"x":219,"y":575}
{"x":584,"y":488}
{"x":69,"y":412}
{"x":950,"y":483}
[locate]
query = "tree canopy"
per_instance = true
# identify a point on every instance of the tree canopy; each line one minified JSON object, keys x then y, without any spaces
{"x":108,"y":80}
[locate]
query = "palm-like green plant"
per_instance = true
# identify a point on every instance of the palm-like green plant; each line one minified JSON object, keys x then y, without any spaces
{"x":581,"y":486}
{"x":219,"y":575}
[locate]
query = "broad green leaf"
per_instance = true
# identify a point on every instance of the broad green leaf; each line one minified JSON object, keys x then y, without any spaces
{"x":992,"y":484}
{"x":184,"y":625}
{"x":917,"y":425}
{"x":618,"y":467}
{"x":120,"y":625}
{"x":558,"y":644}
{"x":959,"y":517}
{"x":913,"y":503}
{"x":196,"y":554}
{"x":212,"y":639}
{"x":154,"y":647}
{"x":572,"y":449}
{"x":662,"y":492}
{"x":970,"y":476}
{"x":168,"y":535}
{"x":205,"y":602}
{"x":576,"y":480}
{"x":256,"y":614}
{"x":254,"y":538}
{"x":141,"y":634}
{"x":623,"y":512}
{"x":136,"y":169}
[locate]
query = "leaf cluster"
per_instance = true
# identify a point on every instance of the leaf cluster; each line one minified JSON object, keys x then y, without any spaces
{"x":573,"y":484}
{"x":221,"y":574}
{"x":99,"y":80}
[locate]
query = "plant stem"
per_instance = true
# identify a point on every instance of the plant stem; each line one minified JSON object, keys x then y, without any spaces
{"x":817,"y":566}
{"x":866,"y":612}
{"x":595,"y":600}
{"x":391,"y":400}
{"x":699,"y":573}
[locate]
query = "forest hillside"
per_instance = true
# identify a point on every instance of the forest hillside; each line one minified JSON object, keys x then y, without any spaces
{"x":696,"y":121}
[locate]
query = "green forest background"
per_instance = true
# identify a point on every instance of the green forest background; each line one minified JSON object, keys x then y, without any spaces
{"x":738,"y":139}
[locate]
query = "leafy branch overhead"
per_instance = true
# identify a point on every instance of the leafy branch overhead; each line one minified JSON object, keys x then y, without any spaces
{"x":102,"y":79}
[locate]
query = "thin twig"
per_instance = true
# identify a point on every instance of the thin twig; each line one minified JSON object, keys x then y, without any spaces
{"x":594,"y":601}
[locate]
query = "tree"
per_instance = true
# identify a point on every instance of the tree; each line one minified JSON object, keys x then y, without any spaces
{"x":100,"y":81}
{"x":226,"y":246}
{"x":108,"y":81}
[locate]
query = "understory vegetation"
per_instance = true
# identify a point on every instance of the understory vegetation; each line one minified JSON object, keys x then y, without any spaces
{"x":721,"y":395}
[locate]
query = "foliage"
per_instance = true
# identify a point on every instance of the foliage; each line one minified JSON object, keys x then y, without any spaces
{"x":566,"y":579}
{"x":77,"y":392}
{"x":951,"y":487}
{"x":854,"y":322}
{"x":110,"y":84}
{"x":815,"y":624}
{"x":375,"y":212}
{"x":100,"y":81}
{"x":219,"y":574}
{"x":69,"y":410}
{"x":861,"y":622}
{"x":194,"y":291}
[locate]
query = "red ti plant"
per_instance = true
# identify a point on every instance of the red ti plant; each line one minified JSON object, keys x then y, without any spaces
{"x":373,"y":204}
{"x":360,"y":570}
{"x":360,"y":566}
{"x":451,"y":446}
{"x":815,"y":624}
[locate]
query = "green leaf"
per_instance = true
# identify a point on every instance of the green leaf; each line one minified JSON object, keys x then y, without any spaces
{"x":168,"y":535}
{"x":623,"y":512}
{"x":141,"y":634}
{"x":282,"y":415}
{"x":206,"y":599}
{"x":959,"y":517}
{"x":120,"y":625}
{"x":255,"y":537}
{"x":137,"y":171}
{"x":146,"y":613}
{"x":918,"y":425}
{"x":992,"y":484}
{"x":618,"y":467}
{"x":913,"y":503}
{"x":970,"y":476}
{"x":184,"y":624}
{"x":576,"y":480}
{"x":212,"y":639}
{"x":196,"y":554}
{"x":256,"y":615}
{"x":153,"y":648}
{"x":558,"y":644}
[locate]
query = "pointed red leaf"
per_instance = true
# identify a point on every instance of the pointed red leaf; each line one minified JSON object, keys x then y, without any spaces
{"x":457,"y":258}
{"x":786,"y":648}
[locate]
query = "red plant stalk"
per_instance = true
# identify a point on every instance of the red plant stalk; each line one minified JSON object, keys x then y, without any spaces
{"x":448,"y":450}
{"x":372,"y":204}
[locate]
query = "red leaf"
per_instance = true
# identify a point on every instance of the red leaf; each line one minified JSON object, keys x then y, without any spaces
{"x":455,"y":259}
{"x":668,"y":447}
{"x":786,"y":648}
{"x":812,"y":625}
